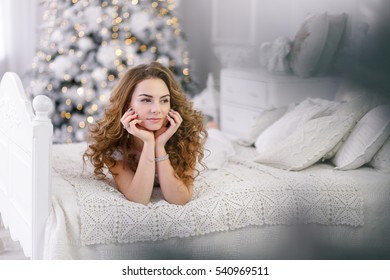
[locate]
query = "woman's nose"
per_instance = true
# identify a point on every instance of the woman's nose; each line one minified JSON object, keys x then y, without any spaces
{"x":155,"y":108}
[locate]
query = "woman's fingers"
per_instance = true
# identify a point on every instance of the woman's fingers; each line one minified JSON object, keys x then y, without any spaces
{"x":138,"y":131}
{"x":133,"y":129}
{"x":175,"y":118}
{"x":132,"y":125}
{"x":163,"y":134}
{"x":127,"y":113}
{"x":176,"y":115}
{"x":127,"y":118}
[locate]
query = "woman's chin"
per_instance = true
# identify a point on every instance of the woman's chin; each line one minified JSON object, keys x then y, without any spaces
{"x":152,"y":127}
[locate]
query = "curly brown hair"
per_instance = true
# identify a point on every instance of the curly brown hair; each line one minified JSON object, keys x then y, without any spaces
{"x":185,"y":147}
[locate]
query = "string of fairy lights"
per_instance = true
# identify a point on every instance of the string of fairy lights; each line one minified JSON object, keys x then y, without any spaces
{"x":86,"y":45}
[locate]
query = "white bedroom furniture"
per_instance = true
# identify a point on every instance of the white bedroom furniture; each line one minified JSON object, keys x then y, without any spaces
{"x":25,"y":165}
{"x":246,"y":92}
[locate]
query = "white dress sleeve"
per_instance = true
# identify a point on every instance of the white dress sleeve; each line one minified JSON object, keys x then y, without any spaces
{"x":117,"y":155}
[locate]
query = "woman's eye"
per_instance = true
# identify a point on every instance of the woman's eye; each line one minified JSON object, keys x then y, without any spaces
{"x":146,"y":100}
{"x":165,"y":101}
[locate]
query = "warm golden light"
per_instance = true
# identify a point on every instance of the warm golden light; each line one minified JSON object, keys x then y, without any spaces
{"x":80,"y":91}
{"x":143,"y":48}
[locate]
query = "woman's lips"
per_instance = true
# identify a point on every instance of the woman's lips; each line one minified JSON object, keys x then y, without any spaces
{"x":154,"y":119}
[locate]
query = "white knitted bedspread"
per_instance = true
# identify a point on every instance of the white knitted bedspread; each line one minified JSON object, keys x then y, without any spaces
{"x":242,"y":193}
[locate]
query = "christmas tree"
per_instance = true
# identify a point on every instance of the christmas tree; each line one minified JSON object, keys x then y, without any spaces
{"x":85,"y":46}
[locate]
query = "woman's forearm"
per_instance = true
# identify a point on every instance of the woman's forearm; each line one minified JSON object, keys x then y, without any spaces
{"x":141,"y":187}
{"x":174,"y":190}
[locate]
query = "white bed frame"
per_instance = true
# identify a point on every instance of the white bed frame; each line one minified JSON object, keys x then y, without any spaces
{"x":25,"y":144}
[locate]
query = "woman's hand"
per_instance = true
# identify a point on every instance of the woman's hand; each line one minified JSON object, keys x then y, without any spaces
{"x":131,"y":123}
{"x":165,"y":132}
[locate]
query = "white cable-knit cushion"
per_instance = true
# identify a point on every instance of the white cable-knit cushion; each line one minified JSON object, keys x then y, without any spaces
{"x":285,"y":126}
{"x":381,"y":159}
{"x":307,"y":144}
{"x":264,"y":120}
{"x":366,"y":138}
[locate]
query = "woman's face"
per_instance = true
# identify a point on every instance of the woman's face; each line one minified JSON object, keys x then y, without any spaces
{"x":151,"y":101}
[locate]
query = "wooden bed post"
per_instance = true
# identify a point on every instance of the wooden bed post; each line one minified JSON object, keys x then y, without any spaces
{"x":42,"y":146}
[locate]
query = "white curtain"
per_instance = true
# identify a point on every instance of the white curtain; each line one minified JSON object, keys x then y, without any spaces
{"x":18,"y":34}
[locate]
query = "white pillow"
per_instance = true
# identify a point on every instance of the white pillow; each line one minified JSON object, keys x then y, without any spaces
{"x":336,"y":29}
{"x":308,"y":45}
{"x":265,"y":119}
{"x":381,"y":159}
{"x":358,"y":106}
{"x":366,"y":138}
{"x":307,"y":144}
{"x":282,"y":128}
{"x":218,"y":149}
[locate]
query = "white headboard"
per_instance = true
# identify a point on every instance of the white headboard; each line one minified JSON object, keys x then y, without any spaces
{"x":25,"y":145}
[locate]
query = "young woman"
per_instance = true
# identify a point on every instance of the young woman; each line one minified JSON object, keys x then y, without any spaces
{"x":149,"y":136}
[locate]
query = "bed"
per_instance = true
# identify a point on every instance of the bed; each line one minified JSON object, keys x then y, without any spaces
{"x":241,"y":209}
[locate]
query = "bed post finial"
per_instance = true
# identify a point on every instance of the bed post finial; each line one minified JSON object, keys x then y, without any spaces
{"x":42,"y":145}
{"x":42,"y":106}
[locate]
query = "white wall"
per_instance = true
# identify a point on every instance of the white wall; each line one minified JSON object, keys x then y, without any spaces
{"x":19,"y":21}
{"x":246,"y":23}
{"x":195,"y":18}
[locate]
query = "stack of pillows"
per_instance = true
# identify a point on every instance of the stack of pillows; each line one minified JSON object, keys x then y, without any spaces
{"x":316,"y":43}
{"x":349,"y":134}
